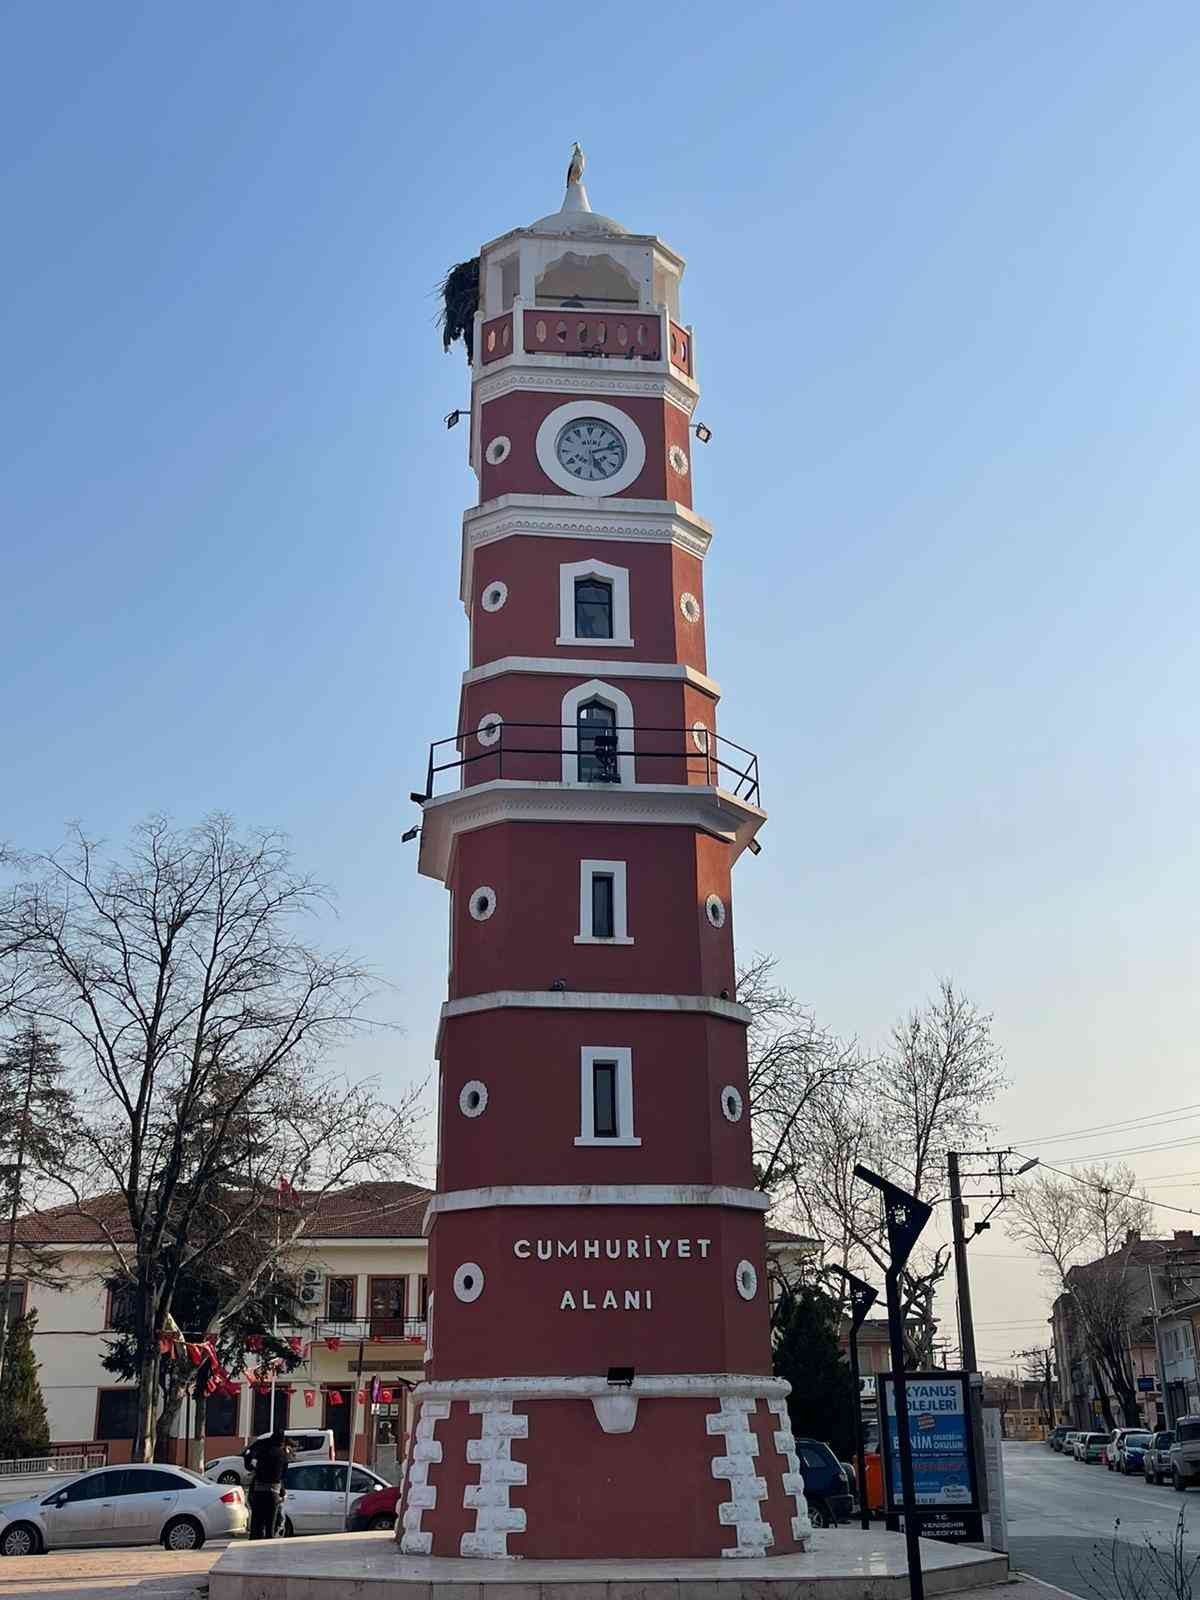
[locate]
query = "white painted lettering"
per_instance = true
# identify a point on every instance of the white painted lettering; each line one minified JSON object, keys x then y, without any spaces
{"x":646,"y":1247}
{"x":612,"y":1249}
{"x":664,"y":1246}
{"x":521,"y":1249}
{"x":567,"y":1303}
{"x":704,"y":1244}
{"x":588,"y":1303}
{"x":568,"y":1249}
{"x":631,"y":1249}
{"x":544,"y":1250}
{"x":610,"y":1300}
{"x":684,"y":1247}
{"x":591,"y":1249}
{"x":649,"y":1299}
{"x":633,"y":1299}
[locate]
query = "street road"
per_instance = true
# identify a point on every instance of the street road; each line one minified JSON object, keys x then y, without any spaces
{"x":1061,"y":1516}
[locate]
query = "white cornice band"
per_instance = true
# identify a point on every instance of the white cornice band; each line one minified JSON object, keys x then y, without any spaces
{"x":611,"y":668}
{"x":712,"y":810}
{"x":594,"y":1000}
{"x":566,"y":516}
{"x":652,"y":1385}
{"x":602,"y":375}
{"x":595,"y":1194}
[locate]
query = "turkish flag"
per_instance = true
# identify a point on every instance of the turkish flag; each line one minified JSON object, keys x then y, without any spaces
{"x":295,"y":1343}
{"x":254,"y":1342}
{"x":310,"y":1397}
{"x":334,"y":1397}
{"x":361,"y":1397}
{"x":386,"y":1396}
{"x":333,"y":1343}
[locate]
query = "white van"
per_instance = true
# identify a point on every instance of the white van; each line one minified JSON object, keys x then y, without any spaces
{"x":308,"y":1444}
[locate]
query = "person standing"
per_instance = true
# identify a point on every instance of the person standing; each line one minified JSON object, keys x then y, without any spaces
{"x":267,"y":1459}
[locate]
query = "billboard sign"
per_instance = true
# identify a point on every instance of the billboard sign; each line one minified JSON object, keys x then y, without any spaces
{"x":939,"y":1430}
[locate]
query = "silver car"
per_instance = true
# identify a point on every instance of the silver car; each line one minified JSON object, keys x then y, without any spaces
{"x":124,"y":1505}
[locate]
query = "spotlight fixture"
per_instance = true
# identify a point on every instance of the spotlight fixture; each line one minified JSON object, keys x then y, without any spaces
{"x":754,"y":847}
{"x":407,"y":838}
{"x":1034,"y":1161}
{"x":417,"y":799}
{"x":700,"y":429}
{"x":559,"y":986}
{"x":453,"y":418}
{"x":622,"y":1377}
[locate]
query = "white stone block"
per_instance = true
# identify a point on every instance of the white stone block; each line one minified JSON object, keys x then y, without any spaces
{"x":733,"y":1467}
{"x":416,"y":1544}
{"x":500,"y":1519}
{"x":435,"y":1410}
{"x":504,"y":1472}
{"x":411,"y":1520}
{"x":419,"y":1472}
{"x":501,"y":1425}
{"x":793,"y":1483}
{"x":483,"y":1544}
{"x":422,"y":1497}
{"x":427,"y":1450}
{"x":487,"y":1450}
{"x":801,"y":1526}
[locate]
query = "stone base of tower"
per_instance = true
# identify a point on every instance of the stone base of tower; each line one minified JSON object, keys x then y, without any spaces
{"x":577,"y":1469}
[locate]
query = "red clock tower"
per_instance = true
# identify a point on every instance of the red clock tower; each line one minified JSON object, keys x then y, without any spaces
{"x":598,"y":1378}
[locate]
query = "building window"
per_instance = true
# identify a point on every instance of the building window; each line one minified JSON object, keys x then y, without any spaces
{"x":604,"y":1099}
{"x":603,"y":912}
{"x":116,"y":1414}
{"x":337,"y":1418}
{"x":221,"y":1416}
{"x":16,"y":1303}
{"x":119,"y":1308}
{"x":597,"y":743}
{"x":606,"y":1096}
{"x":593,"y":608}
{"x":593,"y":604}
{"x":261,"y":1421}
{"x":423,"y":1296}
{"x":342,"y":1296}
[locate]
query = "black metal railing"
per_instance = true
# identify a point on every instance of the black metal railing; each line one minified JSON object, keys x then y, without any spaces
{"x":553,"y":752}
{"x":351,"y":1329}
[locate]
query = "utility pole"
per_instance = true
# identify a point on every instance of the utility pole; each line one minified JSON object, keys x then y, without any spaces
{"x":966,"y":1323}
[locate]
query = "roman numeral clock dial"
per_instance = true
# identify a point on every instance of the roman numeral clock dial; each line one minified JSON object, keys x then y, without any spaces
{"x":590,"y":449}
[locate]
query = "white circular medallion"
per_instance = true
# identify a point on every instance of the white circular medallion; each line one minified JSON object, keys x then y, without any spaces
{"x":731,"y":1103}
{"x":468,"y":1281}
{"x":700,"y":737}
{"x":747,"y":1280}
{"x":494,"y":595}
{"x":498,"y":450}
{"x":714,"y":910}
{"x":678,"y":459}
{"x":488,"y":729}
{"x":604,"y":431}
{"x":690,"y":607}
{"x":473,"y":1098}
{"x":482,"y":903}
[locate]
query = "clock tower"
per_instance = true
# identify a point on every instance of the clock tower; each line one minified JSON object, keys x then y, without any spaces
{"x":598,"y":1374}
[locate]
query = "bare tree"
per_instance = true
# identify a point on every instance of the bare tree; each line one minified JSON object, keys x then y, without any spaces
{"x":900,"y":1113}
{"x":198,"y":1022}
{"x":1086,"y":1230}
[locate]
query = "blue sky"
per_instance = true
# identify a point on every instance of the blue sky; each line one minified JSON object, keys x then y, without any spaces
{"x":942,"y":269}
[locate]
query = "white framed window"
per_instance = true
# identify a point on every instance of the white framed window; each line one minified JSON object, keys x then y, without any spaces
{"x":584,"y":727}
{"x":603,"y":908}
{"x":606,"y":1095}
{"x":581,"y":604}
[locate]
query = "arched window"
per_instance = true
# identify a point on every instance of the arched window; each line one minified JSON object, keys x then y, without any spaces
{"x":596,"y":725}
{"x":597,"y":734}
{"x":593,"y":608}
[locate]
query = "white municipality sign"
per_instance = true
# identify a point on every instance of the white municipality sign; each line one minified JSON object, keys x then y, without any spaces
{"x":993,"y":1456}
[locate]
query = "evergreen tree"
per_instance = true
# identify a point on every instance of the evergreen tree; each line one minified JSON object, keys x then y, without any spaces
{"x":24,"y":1430}
{"x":35,"y":1118}
{"x":821,"y":1405}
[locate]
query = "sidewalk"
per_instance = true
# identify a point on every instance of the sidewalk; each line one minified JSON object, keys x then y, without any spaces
{"x":109,"y":1575}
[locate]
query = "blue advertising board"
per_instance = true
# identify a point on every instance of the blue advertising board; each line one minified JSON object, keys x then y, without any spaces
{"x":939,"y":1430}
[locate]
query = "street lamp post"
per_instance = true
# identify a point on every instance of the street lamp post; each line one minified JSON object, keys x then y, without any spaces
{"x":862,"y":1298}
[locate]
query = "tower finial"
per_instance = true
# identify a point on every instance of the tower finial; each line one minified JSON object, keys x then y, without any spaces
{"x":576,"y":197}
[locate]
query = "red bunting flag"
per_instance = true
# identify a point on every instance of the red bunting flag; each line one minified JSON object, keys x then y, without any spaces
{"x":296,"y":1344}
{"x":361,"y":1397}
{"x":334,"y":1397}
{"x":194,"y":1353}
{"x":166,"y":1345}
{"x":254,"y":1341}
{"x":333,"y":1343}
{"x":386,"y":1396}
{"x":310,"y":1397}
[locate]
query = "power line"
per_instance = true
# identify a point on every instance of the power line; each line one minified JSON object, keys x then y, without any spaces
{"x":1189,"y":1143}
{"x":1104,"y":1188}
{"x":1114,"y":1127}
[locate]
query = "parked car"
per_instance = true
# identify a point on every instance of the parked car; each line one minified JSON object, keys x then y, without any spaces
{"x":125,"y":1505}
{"x":308,"y":1444}
{"x":1091,"y":1447}
{"x":1057,"y":1437}
{"x":826,"y":1488}
{"x":1068,"y":1444}
{"x":1131,"y":1450}
{"x":1156,"y":1459}
{"x":1185,"y":1453}
{"x":1112,"y":1448}
{"x":314,"y":1498}
{"x":373,"y":1511}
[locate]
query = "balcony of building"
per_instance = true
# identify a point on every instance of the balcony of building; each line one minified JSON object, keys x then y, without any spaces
{"x":595,"y":751}
{"x":589,"y":331}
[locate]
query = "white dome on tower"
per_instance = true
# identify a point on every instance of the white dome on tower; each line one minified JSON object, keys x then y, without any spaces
{"x":575,"y":217}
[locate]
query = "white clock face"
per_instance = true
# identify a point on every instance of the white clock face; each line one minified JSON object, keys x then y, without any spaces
{"x":590,"y":449}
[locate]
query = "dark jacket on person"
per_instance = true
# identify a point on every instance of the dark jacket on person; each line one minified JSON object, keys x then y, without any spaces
{"x":267,"y":1463}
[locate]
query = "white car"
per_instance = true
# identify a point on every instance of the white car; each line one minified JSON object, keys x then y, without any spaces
{"x":315,"y":1497}
{"x":308,"y":1444}
{"x":124,"y":1505}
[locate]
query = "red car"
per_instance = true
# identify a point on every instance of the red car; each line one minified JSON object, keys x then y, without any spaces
{"x":377,"y":1509}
